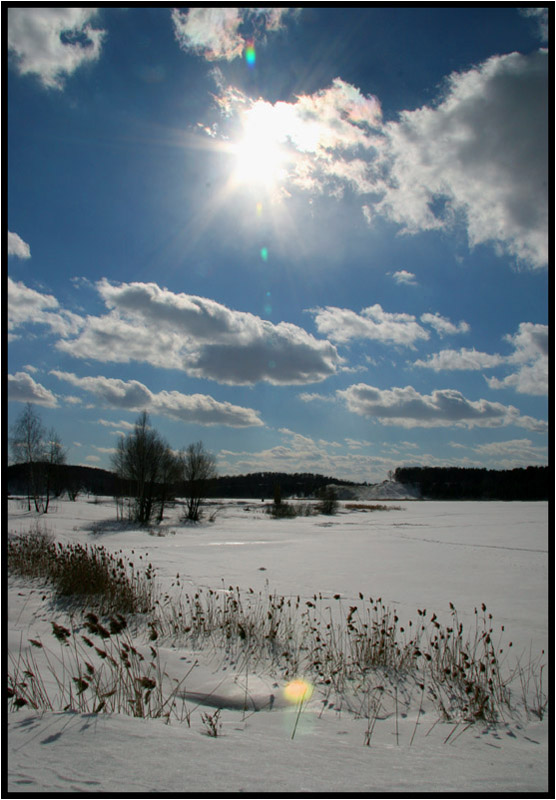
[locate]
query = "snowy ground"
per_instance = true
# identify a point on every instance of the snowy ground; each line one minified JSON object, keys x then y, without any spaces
{"x":420,"y":554}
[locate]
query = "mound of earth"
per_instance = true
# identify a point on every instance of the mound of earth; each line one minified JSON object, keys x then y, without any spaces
{"x":387,"y":490}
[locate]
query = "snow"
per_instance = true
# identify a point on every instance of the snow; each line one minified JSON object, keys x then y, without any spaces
{"x":386,"y":490}
{"x":418,"y":554}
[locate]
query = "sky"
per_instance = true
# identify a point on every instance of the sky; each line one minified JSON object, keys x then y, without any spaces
{"x":315,"y":239}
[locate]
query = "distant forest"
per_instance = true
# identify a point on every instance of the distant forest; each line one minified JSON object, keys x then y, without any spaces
{"x":259,"y":485}
{"x":434,"y":483}
{"x":458,"y":483}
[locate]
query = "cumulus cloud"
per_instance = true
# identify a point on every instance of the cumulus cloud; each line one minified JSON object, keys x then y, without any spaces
{"x":406,"y":407}
{"x":27,"y":306}
{"x":478,"y":157}
{"x":540,"y":15}
{"x":402,"y":276}
{"x":530,"y":356}
{"x":444,"y":326}
{"x":53,"y":42}
{"x":325,"y":138}
{"x":134,"y":396}
{"x":342,"y":325}
{"x":482,"y":154}
{"x":17,"y":247}
{"x":23,"y":389}
{"x":463,"y":359}
{"x":202,"y":337}
{"x":223,"y":33}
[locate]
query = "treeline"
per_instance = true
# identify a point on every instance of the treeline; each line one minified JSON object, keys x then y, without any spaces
{"x":262,"y":485}
{"x":88,"y":480}
{"x":463,"y":483}
{"x":256,"y":485}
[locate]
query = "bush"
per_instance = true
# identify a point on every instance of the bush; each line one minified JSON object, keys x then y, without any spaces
{"x":282,"y":510}
{"x":100,"y":671}
{"x":78,"y":571}
{"x":328,"y":502}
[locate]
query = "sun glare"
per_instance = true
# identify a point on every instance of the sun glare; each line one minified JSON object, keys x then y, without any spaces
{"x":260,"y":157}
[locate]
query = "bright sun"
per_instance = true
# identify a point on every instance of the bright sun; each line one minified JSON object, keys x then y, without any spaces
{"x":259,"y":155}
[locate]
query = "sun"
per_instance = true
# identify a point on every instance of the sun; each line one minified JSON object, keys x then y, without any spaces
{"x":260,"y":157}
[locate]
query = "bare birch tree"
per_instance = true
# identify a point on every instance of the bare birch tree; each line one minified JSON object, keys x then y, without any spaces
{"x":198,"y":470}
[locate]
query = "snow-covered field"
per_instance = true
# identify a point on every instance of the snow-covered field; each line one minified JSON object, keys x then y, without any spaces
{"x":417,"y":555}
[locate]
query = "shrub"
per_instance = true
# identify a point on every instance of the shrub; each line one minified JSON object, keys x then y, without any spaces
{"x":101,"y":670}
{"x":328,"y":501}
{"x":109,"y":583}
{"x":355,"y":651}
{"x":282,"y":510}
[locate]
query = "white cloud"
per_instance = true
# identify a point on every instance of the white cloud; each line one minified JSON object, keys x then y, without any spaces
{"x":478,"y":157}
{"x":463,"y":359}
{"x":215,"y":33}
{"x":444,"y":326}
{"x":202,"y":337}
{"x":540,"y":16}
{"x":523,"y":448}
{"x":530,"y":354}
{"x":132,"y":395}
{"x":342,"y":325}
{"x":481,"y":153}
{"x":53,"y":42}
{"x":27,"y":306}
{"x":356,"y":444}
{"x":325,"y":137}
{"x":402,"y":276}
{"x":311,"y":397}
{"x":297,"y":453}
{"x":367,"y":213}
{"x":408,"y":408}
{"x":17,"y":247}
{"x":23,"y":389}
{"x":121,"y":424}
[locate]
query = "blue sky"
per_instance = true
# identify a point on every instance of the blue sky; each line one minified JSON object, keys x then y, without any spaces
{"x":315,"y":238}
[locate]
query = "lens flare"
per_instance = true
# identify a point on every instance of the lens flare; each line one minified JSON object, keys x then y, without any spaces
{"x":264,"y":253}
{"x":250,"y":55}
{"x":298,"y":691}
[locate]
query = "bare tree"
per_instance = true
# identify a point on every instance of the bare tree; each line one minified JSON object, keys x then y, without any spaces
{"x":26,"y":445}
{"x":170,"y":473}
{"x":198,"y":470}
{"x":54,"y":457}
{"x":42,"y":452}
{"x":142,"y":462}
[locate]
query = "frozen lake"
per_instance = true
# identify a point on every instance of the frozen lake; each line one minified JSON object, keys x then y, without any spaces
{"x":417,"y":555}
